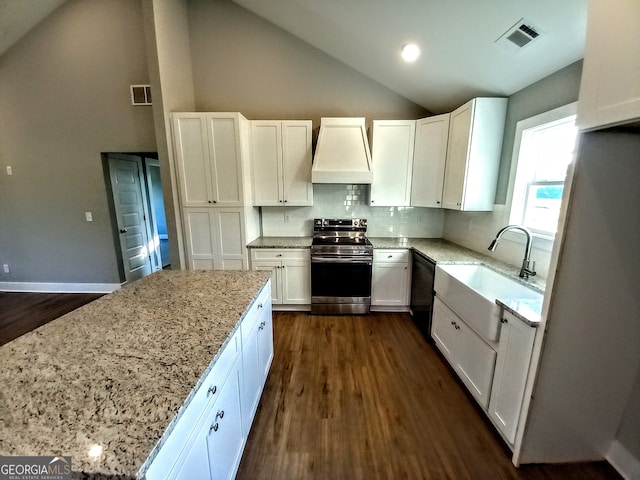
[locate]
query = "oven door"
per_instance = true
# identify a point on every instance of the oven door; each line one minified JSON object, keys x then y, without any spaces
{"x":340,"y":284}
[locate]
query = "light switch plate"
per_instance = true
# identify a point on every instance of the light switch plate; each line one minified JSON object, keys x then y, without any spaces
{"x":9,"y":170}
{"x":88,"y":216}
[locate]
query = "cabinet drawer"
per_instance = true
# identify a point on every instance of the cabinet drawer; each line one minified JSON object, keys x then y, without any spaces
{"x":382,"y":255}
{"x":252,"y":316}
{"x":178,"y":438}
{"x":280,"y":254}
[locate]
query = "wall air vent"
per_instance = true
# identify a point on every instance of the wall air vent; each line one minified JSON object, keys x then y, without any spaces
{"x":140,"y":94}
{"x":519,"y":36}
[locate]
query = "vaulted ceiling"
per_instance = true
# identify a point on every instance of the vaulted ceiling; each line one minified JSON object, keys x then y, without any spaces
{"x":461,"y":55}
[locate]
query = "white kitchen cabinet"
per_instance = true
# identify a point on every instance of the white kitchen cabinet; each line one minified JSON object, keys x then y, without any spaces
{"x":215,"y":238}
{"x":512,"y":367}
{"x":392,"y":162}
{"x":185,"y":452}
{"x":610,"y":85}
{"x":470,"y":356}
{"x":217,"y":445}
{"x":390,"y":280}
{"x":207,"y":440}
{"x":210,"y":158}
{"x":473,"y":154}
{"x":281,"y":161}
{"x":291,"y":273}
{"x":257,"y":354}
{"x":429,"y":160}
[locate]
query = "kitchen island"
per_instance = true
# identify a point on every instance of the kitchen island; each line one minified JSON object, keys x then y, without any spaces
{"x":104,"y":383}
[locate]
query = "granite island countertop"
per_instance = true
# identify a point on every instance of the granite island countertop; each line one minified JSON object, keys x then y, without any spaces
{"x":115,"y":372}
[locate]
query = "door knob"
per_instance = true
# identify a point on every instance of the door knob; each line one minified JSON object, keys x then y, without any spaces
{"x":123,"y":230}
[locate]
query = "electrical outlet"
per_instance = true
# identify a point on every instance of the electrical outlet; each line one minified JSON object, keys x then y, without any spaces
{"x":88,"y":216}
{"x":5,"y":268}
{"x":9,"y":170}
{"x":420,"y":218}
{"x":287,"y":218}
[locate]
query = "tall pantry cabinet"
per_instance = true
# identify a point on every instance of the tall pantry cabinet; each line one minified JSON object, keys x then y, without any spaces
{"x":212,"y":154}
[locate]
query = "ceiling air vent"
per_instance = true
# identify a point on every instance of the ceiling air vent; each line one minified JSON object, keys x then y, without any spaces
{"x":518,"y":36}
{"x":141,"y":94}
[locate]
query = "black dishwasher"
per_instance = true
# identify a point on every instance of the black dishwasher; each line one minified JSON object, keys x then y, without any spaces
{"x":422,"y":292}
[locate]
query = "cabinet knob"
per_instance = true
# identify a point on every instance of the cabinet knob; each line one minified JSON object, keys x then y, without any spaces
{"x":372,"y":201}
{"x":437,"y":202}
{"x":214,"y":427}
{"x":279,"y":255}
{"x":123,"y":230}
{"x":220,"y":414}
{"x":390,"y":256}
{"x":280,"y":201}
{"x":285,"y":201}
{"x":260,"y":305}
{"x":212,"y":390}
{"x":504,"y":320}
{"x":453,"y":323}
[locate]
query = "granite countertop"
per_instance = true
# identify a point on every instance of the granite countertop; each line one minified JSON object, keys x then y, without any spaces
{"x":281,"y":242}
{"x":115,"y":372}
{"x":444,"y":252}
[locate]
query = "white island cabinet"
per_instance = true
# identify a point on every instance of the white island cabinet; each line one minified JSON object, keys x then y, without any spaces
{"x":281,"y":162}
{"x":610,"y":85}
{"x":208,"y":438}
{"x":473,"y":154}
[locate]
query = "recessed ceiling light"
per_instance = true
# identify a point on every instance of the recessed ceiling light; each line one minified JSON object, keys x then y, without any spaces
{"x":410,"y":52}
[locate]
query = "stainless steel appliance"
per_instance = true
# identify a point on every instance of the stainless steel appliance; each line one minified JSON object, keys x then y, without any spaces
{"x":341,"y":265}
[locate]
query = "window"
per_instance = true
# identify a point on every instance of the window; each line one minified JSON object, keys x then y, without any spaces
{"x":544,"y":149}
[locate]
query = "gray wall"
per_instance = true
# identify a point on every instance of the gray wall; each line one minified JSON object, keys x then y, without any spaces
{"x":244,"y":63}
{"x":475,"y":230}
{"x":559,"y":88}
{"x":590,"y":359}
{"x":64,"y":91}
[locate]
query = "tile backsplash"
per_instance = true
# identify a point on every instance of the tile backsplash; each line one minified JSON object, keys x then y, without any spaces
{"x":347,"y":201}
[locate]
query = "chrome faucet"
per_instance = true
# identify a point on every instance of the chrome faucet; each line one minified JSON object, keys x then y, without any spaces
{"x":525,"y":271}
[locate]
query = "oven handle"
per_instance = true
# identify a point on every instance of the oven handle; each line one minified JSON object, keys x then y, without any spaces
{"x":360,"y":260}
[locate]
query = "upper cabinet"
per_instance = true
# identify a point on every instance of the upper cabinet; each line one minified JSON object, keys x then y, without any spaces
{"x":610,"y":86}
{"x":392,"y":159}
{"x":473,"y":154}
{"x":429,"y":158}
{"x":208,"y":149}
{"x":281,"y":160}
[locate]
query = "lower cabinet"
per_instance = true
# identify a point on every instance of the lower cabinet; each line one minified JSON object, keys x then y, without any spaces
{"x":215,"y":238}
{"x":257,"y":354}
{"x":207,"y":441}
{"x":469,"y":355}
{"x":512,"y":367}
{"x":291,"y":273}
{"x":390,"y":280}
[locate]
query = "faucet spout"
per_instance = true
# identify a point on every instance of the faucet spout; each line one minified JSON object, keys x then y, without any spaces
{"x":525,"y":270}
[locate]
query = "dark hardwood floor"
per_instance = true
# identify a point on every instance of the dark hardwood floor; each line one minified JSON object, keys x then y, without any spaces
{"x":22,"y":312}
{"x":367,"y":398}
{"x":362,"y":397}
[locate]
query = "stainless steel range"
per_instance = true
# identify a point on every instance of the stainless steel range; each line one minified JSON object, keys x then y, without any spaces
{"x":341,"y":264}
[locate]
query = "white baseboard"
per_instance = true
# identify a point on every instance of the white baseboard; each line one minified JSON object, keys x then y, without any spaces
{"x":623,"y":461}
{"x":41,"y":287}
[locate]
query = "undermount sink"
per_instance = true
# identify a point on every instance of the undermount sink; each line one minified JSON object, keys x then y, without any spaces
{"x":471,"y":290}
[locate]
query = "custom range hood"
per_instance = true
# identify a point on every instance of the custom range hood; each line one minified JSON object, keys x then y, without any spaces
{"x":342,"y":153}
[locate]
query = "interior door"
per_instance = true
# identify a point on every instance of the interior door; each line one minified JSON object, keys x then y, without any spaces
{"x":130,"y":207}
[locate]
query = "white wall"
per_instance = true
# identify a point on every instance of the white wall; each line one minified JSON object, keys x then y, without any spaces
{"x":347,"y":201}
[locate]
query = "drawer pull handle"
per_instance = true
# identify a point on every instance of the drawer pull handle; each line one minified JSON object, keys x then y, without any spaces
{"x":390,"y":256}
{"x":220,"y":414}
{"x":212,"y":390}
{"x":214,"y":427}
